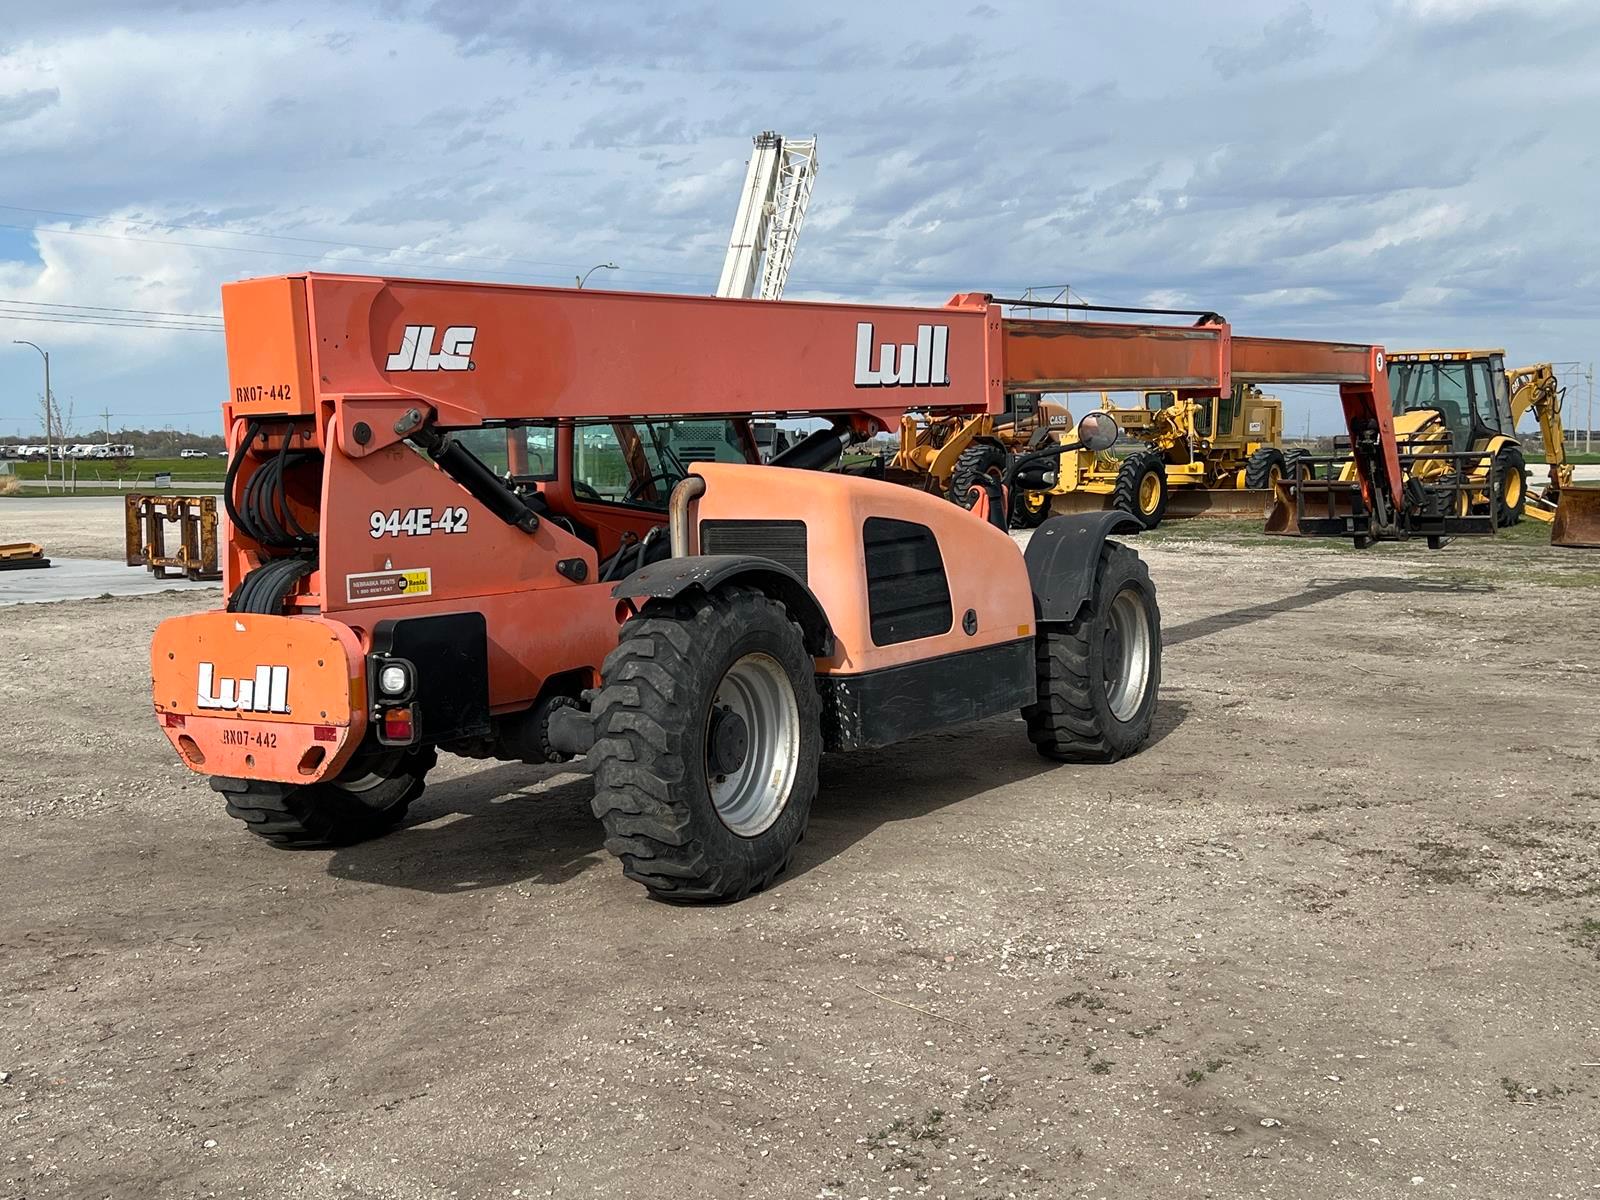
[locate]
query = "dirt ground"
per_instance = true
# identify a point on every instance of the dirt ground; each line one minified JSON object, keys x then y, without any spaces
{"x":1335,"y":932}
{"x":66,"y":526}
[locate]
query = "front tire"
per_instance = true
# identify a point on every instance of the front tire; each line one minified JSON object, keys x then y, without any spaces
{"x":1098,"y":677}
{"x":1512,"y":469}
{"x":708,"y":740}
{"x":367,"y":799}
{"x":1265,"y":468}
{"x":1141,"y":487}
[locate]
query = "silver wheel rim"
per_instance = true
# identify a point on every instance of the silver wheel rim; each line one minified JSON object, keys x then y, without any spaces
{"x":750,"y":798}
{"x":1128,"y":678}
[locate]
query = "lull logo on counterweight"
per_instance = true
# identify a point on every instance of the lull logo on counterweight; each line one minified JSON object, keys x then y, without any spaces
{"x":267,"y":692}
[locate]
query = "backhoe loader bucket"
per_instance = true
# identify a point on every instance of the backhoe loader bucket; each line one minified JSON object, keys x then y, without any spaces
{"x":1577,"y":522}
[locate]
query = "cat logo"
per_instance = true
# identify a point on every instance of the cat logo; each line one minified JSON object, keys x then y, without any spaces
{"x":416,"y":351}
{"x":918,"y":364}
{"x":268,"y":692}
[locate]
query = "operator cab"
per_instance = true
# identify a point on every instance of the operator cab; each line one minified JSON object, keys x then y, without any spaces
{"x":1466,"y":387}
{"x":608,"y":482}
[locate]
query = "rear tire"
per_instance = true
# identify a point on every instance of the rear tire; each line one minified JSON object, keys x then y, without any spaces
{"x":697,"y":805}
{"x":1291,"y":462}
{"x":1264,"y":468}
{"x":1512,"y":468}
{"x":976,"y":461}
{"x":1141,"y":487}
{"x":1098,"y":677}
{"x":368,"y":799}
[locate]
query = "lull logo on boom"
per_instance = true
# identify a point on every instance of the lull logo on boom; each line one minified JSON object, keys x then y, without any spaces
{"x":416,"y":349}
{"x":915,"y":364}
{"x":268,"y":692}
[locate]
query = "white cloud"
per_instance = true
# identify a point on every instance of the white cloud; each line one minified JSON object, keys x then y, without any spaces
{"x":1338,"y":170}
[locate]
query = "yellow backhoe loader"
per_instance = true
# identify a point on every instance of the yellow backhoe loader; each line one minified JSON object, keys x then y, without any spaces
{"x":1467,"y":401}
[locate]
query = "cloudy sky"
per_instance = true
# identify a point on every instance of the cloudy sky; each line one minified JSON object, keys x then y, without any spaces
{"x":1400,"y":171}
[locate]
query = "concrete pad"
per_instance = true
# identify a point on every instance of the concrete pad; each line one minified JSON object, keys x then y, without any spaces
{"x":86,"y":579}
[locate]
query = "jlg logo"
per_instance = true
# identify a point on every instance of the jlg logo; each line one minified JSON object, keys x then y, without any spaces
{"x":268,"y":692}
{"x":918,"y":364}
{"x":416,"y":349}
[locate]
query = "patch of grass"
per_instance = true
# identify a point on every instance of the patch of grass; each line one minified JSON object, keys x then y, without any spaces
{"x":91,"y":470}
{"x":1518,"y":1092}
{"x":1086,"y":1000}
{"x":909,"y":1130}
{"x":1197,"y":1075}
{"x":1585,"y":934}
{"x":1444,"y":863}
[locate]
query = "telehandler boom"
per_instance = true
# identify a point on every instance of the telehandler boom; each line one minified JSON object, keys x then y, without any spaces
{"x":527,"y":523}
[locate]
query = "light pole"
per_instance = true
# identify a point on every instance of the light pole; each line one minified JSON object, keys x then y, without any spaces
{"x":605,"y":266}
{"x":44,"y":354}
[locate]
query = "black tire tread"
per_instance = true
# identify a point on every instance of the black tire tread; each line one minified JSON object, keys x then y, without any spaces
{"x":977,"y":460}
{"x":1062,"y":722}
{"x":1125,"y":493}
{"x":643,"y":717}
{"x":1507,"y":458}
{"x":1258,"y":467}
{"x":321,"y":814}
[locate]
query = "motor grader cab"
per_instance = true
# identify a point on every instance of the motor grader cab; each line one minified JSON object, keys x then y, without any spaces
{"x":529,"y":524}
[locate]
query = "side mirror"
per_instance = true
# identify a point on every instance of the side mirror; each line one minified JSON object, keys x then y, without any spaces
{"x":1098,"y":431}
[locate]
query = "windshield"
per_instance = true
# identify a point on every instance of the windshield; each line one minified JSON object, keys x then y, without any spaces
{"x":1463,"y":392}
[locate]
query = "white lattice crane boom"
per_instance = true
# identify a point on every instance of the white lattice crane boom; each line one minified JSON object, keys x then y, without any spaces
{"x":777,"y":189}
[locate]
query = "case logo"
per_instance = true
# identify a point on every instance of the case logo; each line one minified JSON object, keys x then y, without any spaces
{"x":416,"y":351}
{"x":915,"y":364}
{"x":267,"y":692}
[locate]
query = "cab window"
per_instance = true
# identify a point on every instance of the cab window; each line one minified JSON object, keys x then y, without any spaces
{"x":638,"y":463}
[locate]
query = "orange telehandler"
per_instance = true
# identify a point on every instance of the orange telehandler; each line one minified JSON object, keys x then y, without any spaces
{"x":530,"y":524}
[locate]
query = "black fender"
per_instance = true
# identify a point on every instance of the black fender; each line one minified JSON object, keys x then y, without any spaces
{"x":672,"y":577}
{"x":1062,"y":556}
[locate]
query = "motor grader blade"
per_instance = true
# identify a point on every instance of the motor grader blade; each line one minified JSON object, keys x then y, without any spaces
{"x":1577,"y":520}
{"x":22,"y":556}
{"x":1218,"y":502}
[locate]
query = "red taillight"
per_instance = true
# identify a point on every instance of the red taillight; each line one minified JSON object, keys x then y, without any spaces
{"x":172,"y":720}
{"x":324,"y":733}
{"x":397,"y":724}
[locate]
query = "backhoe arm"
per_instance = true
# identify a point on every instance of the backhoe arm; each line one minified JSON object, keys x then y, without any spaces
{"x":1535,"y":389}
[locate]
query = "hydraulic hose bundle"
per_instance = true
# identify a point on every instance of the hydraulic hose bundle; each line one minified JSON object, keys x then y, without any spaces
{"x":262,"y":513}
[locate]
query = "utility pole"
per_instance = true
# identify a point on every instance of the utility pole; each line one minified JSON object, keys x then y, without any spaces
{"x":48,"y":406}
{"x":1588,"y":424}
{"x":105,"y":422}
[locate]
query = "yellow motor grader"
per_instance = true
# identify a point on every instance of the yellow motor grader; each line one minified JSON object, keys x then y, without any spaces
{"x":1195,"y":455}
